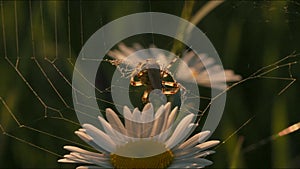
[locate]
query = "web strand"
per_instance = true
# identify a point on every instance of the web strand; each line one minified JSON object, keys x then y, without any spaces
{"x":3,"y":31}
{"x":52,"y":63}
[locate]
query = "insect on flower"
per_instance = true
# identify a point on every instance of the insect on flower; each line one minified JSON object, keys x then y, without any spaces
{"x":150,"y":69}
{"x":153,"y":78}
{"x":154,"y":74}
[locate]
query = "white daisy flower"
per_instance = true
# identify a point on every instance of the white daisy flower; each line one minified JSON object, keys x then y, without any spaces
{"x":200,"y":65}
{"x":204,"y":69}
{"x":147,"y":140}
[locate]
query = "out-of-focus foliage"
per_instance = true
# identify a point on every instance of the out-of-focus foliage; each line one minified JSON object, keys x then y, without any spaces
{"x":247,"y":35}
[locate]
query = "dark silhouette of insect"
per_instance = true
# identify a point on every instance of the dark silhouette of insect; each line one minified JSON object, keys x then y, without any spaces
{"x":152,"y":77}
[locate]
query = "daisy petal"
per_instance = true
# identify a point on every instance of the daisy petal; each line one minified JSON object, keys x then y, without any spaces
{"x":187,"y":57}
{"x":89,"y":140}
{"x":136,"y":121}
{"x":137,"y":46}
{"x":194,"y":154}
{"x":88,"y":167}
{"x":196,"y":149}
{"x":166,"y":114}
{"x":208,"y":144}
{"x":114,"y":121}
{"x":98,"y":161}
{"x":158,"y":122}
{"x":64,"y":160}
{"x":128,"y":121}
{"x":82,"y":151}
{"x":147,"y":120}
{"x":76,"y":159}
{"x":82,"y":134}
{"x":180,"y":165}
{"x":192,"y":162}
{"x":172,"y":117}
{"x":204,"y":154}
{"x":126,"y":50}
{"x":88,"y":159}
{"x":147,"y":113}
{"x":118,"y":139}
{"x":100,"y":138}
{"x":194,"y":140}
{"x":203,"y":135}
{"x":164,"y":133}
{"x":181,"y":131}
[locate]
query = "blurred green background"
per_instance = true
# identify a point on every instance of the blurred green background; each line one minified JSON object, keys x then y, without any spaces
{"x":248,"y":35}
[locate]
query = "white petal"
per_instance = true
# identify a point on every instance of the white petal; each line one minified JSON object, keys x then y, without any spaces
{"x":164,"y":133}
{"x":187,"y":134}
{"x":188,"y":56}
{"x":204,"y":154}
{"x":147,"y":113}
{"x":205,"y":61}
{"x":168,"y":128}
{"x":81,"y":129}
{"x":90,"y":141}
{"x":181,"y":136}
{"x":199,"y":161}
{"x":114,"y":121}
{"x":203,"y":136}
{"x":82,"y":151}
{"x":116,"y":55}
{"x":76,"y":159}
{"x":94,"y":158}
{"x":194,"y":154}
{"x":208,"y":144}
{"x":181,"y":131}
{"x":136,"y":115}
{"x":160,"y":57}
{"x":128,"y":121}
{"x":136,"y":121}
{"x":180,"y":165}
{"x":196,"y":149}
{"x":159,"y":111}
{"x":98,"y":161}
{"x":66,"y":161}
{"x":168,"y":107}
{"x":194,"y":140}
{"x":158,"y":122}
{"x":89,"y":159}
{"x":147,"y":120}
{"x":172,"y":117}
{"x":83,"y":135}
{"x":118,"y":139}
{"x":88,"y":167}
{"x":126,"y":50}
{"x":100,"y":138}
{"x":193,"y":163}
{"x":166,"y":114}
{"x":137,"y":46}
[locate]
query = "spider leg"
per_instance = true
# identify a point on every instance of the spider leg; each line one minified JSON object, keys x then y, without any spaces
{"x":135,"y":83}
{"x":171,"y":63}
{"x":174,"y":87}
{"x":163,"y":74}
{"x":171,"y":84}
{"x":145,"y":96}
{"x":170,"y":91}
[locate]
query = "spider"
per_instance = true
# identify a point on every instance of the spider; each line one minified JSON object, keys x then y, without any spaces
{"x":153,"y":78}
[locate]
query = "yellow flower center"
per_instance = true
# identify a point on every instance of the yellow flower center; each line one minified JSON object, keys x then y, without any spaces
{"x":142,"y":154}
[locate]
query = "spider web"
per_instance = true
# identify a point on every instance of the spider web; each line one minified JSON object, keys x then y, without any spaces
{"x":38,"y":56}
